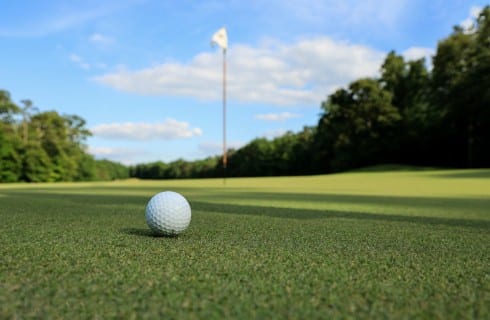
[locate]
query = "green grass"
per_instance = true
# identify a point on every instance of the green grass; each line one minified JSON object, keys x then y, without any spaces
{"x":379,"y":244}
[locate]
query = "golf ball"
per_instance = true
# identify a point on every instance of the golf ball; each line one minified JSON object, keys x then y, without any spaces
{"x":168,"y":213}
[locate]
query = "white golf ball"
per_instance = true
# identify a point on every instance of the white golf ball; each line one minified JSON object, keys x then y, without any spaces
{"x":168,"y":213}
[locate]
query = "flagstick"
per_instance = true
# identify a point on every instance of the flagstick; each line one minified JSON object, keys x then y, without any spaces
{"x":225,"y":160}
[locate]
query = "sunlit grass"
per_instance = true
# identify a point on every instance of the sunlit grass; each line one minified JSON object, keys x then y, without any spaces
{"x":363,"y":244}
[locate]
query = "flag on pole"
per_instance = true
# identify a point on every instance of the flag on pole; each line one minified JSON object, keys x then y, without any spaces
{"x":220,"y":38}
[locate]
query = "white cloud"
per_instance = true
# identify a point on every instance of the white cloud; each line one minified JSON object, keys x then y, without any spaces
{"x":104,"y":151}
{"x":82,"y":63}
{"x":111,"y":152}
{"x":277,"y":116}
{"x":300,"y":73}
{"x":475,"y":11}
{"x":170,"y":129}
{"x":75,"y":58}
{"x":212,"y":148}
{"x":100,"y":39}
{"x":468,"y":23}
{"x":126,"y":156}
{"x":275,"y":133}
{"x":415,"y":53}
{"x":79,"y":61}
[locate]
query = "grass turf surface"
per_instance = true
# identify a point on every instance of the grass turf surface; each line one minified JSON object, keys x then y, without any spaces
{"x":404,"y":244}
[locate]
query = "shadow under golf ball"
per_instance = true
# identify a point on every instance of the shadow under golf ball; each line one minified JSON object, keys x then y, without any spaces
{"x":143,"y":232}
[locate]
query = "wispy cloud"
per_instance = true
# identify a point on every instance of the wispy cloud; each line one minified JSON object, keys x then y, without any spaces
{"x":101,"y":40}
{"x":79,"y":61}
{"x":379,"y":14}
{"x":212,"y":148}
{"x":54,"y":23}
{"x":55,"y":17}
{"x":84,"y":64}
{"x":125,"y":155}
{"x":271,"y":134}
{"x":170,"y":129}
{"x":369,"y":13}
{"x":277,"y":116}
{"x":275,"y":73}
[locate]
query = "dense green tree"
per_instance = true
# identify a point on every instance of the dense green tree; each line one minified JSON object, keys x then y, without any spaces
{"x":475,"y":94}
{"x":62,"y":139}
{"x":282,"y":153}
{"x":460,"y":93}
{"x":110,"y":170}
{"x":450,"y":65}
{"x":358,"y":125}
{"x":47,"y":147}
{"x":254,"y":159}
{"x":87,"y":170}
{"x":206,"y":168}
{"x":36,"y":164}
{"x":393,"y":74}
{"x":409,"y":84}
{"x":10,"y":161}
{"x":303,"y":152}
{"x":53,"y":137}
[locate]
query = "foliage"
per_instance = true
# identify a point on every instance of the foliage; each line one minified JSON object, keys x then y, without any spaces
{"x":109,"y":170}
{"x":357,"y":125}
{"x":47,"y":147}
{"x":461,"y":78}
{"x":10,"y":162}
{"x":289,"y":154}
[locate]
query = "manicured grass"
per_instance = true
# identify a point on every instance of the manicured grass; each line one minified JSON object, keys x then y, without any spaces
{"x":380,"y":244}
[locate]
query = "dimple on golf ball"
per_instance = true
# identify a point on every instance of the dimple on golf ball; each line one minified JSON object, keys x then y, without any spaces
{"x":168,"y":213}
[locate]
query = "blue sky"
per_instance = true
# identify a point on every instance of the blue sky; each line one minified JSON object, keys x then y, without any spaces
{"x":143,"y":75}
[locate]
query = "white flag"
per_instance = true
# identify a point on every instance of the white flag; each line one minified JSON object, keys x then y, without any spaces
{"x":220,"y":38}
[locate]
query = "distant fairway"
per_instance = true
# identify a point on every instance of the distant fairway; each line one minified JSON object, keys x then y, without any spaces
{"x":394,"y":244}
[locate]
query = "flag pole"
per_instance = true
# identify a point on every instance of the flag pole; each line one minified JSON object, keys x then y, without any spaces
{"x":221,"y":39}
{"x":225,"y":158}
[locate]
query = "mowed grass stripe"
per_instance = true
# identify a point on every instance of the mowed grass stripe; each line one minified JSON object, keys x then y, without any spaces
{"x":276,"y":250}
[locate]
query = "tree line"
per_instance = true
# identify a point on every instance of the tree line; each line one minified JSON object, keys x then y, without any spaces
{"x":410,"y":114}
{"x":47,"y":147}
